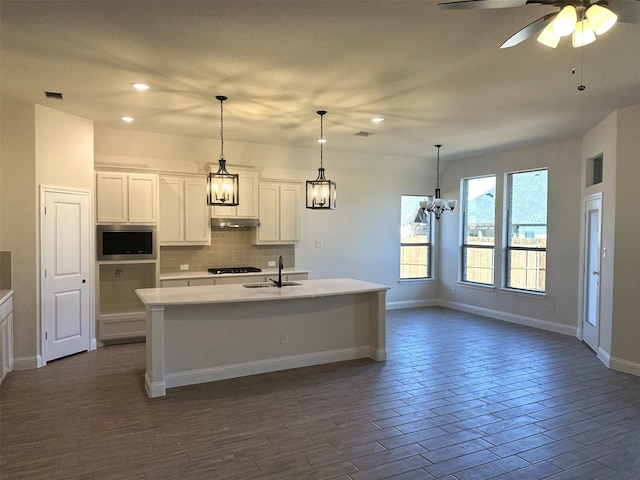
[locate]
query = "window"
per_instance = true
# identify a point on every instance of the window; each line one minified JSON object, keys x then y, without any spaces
{"x":478,"y":229}
{"x":526,"y":252}
{"x":415,"y":238}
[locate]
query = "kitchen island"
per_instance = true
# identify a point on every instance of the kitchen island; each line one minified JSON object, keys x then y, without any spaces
{"x":207,"y":333}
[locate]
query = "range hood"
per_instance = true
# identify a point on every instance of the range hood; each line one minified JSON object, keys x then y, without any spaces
{"x":234,"y":222}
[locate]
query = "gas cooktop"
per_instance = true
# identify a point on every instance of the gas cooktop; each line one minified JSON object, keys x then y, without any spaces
{"x":221,"y":270}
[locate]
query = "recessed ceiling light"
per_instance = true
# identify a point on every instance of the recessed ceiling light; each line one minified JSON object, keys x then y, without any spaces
{"x":127,"y":119}
{"x":140,"y":86}
{"x":377,"y":119}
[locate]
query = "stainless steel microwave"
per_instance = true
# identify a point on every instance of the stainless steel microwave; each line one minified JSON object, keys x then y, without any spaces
{"x":127,"y":242}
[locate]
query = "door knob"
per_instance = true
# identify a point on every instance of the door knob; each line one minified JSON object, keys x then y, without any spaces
{"x":84,"y":281}
{"x":595,"y":273}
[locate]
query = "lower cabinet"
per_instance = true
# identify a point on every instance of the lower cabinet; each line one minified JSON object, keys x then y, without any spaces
{"x":6,"y":337}
{"x":121,"y":315}
{"x":234,"y":280}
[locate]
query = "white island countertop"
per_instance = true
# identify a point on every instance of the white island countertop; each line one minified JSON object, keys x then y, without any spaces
{"x":237,"y":293}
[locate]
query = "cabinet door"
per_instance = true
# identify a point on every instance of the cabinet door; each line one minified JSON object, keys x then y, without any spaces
{"x":143,"y":194}
{"x":174,"y":283}
{"x":196,"y":282}
{"x":111,"y":195}
{"x":289,"y":213}
{"x":171,"y":210}
{"x":248,"y":196}
{"x":248,"y":185}
{"x":196,"y":216}
{"x":269,"y":211}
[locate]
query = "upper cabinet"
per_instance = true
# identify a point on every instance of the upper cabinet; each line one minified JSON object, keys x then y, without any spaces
{"x":279,"y":210}
{"x":184,"y":213}
{"x":248,"y":196}
{"x":127,"y":198}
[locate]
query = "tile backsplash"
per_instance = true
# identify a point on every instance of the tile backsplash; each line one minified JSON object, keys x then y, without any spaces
{"x":229,"y":248}
{"x":5,"y":270}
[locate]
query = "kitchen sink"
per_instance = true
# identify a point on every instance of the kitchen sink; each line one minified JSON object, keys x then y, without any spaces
{"x":269,"y":284}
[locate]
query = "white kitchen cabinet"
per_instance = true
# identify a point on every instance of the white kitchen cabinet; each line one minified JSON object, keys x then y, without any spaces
{"x":184,"y":214}
{"x":231,"y":280}
{"x":247,"y":194}
{"x":6,"y":337}
{"x":128,"y":198}
{"x":279,"y":212}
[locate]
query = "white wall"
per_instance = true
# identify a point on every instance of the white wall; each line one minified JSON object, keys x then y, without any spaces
{"x":626,"y":299}
{"x":39,"y":146}
{"x":360,"y":238}
{"x":563,"y":218}
{"x":18,"y":228}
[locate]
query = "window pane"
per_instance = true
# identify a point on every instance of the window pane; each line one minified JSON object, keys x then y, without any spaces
{"x":415,"y":238}
{"x":479,"y":215}
{"x":526,"y":264}
{"x":528,"y":208}
{"x":480,"y":208}
{"x":527,"y":269}
{"x":414,"y":261}
{"x":479,"y":265}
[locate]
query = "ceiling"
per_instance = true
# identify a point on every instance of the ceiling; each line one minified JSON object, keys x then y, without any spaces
{"x":436,"y":76}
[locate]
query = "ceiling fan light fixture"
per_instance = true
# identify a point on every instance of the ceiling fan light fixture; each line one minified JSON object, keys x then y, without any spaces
{"x":565,"y":22}
{"x":583,"y":34}
{"x":601,"y":19}
{"x":548,"y":37}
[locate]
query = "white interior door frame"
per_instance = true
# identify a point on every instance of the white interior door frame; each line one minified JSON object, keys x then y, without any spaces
{"x":590,"y":267}
{"x":91,"y":273}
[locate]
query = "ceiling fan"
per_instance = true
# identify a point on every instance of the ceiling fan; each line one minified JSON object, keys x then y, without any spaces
{"x":581,"y":19}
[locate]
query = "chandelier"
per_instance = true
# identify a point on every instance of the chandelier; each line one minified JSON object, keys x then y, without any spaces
{"x":437,"y":205}
{"x":222,"y":186}
{"x":582,"y":22}
{"x":321,"y":193}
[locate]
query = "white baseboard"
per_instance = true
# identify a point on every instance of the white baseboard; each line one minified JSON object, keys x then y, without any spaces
{"x":93,"y":345}
{"x":510,"y":317}
{"x":156,"y":389}
{"x":604,"y":357}
{"x":27,"y":363}
{"x":411,"y":304}
{"x":212,"y":374}
{"x":625,"y":366}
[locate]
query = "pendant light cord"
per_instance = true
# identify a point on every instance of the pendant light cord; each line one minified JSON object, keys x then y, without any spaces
{"x":438,"y":167}
{"x":321,"y":138}
{"x":221,"y":130}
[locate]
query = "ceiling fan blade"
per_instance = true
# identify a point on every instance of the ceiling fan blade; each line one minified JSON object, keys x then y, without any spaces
{"x":628,"y":11}
{"x":481,"y":4}
{"x":531,"y":29}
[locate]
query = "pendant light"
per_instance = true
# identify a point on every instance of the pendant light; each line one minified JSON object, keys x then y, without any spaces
{"x":222,"y":186}
{"x":321,"y":193}
{"x":437,"y":205}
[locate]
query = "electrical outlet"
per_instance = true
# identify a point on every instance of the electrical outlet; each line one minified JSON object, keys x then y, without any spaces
{"x":283,"y":337}
{"x":453,"y":290}
{"x":184,"y":266}
{"x":319,"y":244}
{"x":272,"y":263}
{"x":551,"y":308}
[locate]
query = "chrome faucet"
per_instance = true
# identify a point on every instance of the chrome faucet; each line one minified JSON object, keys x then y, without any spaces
{"x":278,"y":282}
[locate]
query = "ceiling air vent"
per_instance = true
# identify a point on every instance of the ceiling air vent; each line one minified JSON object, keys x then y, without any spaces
{"x":364,"y":134}
{"x":54,"y":95}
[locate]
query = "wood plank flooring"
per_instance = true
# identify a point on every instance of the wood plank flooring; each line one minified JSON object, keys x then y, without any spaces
{"x":461,"y":397}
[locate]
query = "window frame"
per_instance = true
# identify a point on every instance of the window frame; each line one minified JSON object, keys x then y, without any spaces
{"x":508,"y":248}
{"x":428,"y":244}
{"x":464,"y":247}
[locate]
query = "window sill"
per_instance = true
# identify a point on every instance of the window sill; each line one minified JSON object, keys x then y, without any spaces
{"x":523,"y":293}
{"x":416,"y":280}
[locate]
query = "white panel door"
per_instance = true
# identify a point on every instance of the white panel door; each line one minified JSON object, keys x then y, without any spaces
{"x":197,"y":221}
{"x":591,"y":308}
{"x":171,"y":210}
{"x":269,"y":229}
{"x":289,"y":213}
{"x":66,"y":262}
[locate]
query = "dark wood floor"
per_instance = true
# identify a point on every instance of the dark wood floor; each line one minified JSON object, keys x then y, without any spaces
{"x":461,"y":397}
